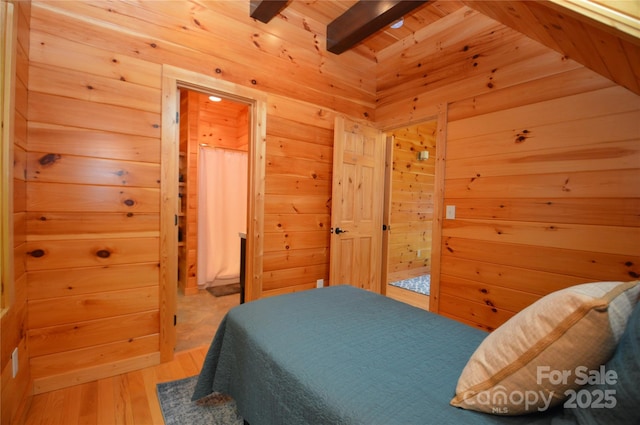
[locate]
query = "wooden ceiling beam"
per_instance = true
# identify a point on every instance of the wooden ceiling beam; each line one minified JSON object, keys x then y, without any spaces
{"x":364,"y":19}
{"x":265,"y":10}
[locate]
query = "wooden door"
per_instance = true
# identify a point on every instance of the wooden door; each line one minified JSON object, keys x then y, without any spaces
{"x":356,"y":213}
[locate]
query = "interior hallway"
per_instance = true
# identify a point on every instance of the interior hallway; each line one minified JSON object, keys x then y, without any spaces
{"x":199,"y":316}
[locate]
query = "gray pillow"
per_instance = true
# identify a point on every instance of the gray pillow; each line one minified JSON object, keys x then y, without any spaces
{"x":626,"y":390}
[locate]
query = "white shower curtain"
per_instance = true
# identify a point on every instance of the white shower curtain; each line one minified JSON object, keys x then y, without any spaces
{"x":222,"y":215}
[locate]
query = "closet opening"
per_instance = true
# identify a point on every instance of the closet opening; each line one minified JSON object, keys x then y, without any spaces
{"x":214,"y":143}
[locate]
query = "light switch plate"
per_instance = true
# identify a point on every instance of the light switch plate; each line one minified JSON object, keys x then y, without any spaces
{"x":450,"y":212}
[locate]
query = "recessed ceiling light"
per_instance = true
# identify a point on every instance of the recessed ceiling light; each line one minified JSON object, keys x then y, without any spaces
{"x":214,"y":98}
{"x":397,"y":24}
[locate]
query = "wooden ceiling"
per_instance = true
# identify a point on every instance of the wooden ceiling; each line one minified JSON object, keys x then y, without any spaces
{"x":600,"y":38}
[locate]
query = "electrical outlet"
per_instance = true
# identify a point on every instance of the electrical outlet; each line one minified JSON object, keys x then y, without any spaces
{"x":320,"y":283}
{"x":14,"y":362}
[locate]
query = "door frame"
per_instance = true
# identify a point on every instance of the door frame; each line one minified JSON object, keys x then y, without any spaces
{"x":441,"y":119}
{"x":173,"y":79}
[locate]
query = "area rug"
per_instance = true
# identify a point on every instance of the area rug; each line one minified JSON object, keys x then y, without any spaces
{"x":178,"y":409}
{"x":420,"y":284}
{"x":224,"y":290}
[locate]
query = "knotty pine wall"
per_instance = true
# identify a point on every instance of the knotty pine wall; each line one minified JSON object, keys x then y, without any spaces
{"x":93,"y":152}
{"x":188,"y":192}
{"x":94,"y":166}
{"x":411,"y":204}
{"x":13,"y":323}
{"x":223,"y":124}
{"x":542,"y":164}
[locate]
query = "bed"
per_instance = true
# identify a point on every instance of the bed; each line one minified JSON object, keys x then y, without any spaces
{"x":342,"y":355}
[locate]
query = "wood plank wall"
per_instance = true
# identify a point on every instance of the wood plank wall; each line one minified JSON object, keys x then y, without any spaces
{"x":223,"y":124}
{"x":542,"y":164}
{"x":547,"y":195}
{"x":93,"y":156}
{"x":411,"y":208}
{"x":14,"y":391}
{"x":297,"y":196}
{"x":94,"y":165}
{"x":188,"y":192}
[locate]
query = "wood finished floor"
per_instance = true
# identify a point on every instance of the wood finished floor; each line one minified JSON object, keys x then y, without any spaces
{"x":131,"y":398}
{"x":199,"y":316}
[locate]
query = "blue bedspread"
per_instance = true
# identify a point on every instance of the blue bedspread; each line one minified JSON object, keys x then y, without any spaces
{"x":341,"y":355}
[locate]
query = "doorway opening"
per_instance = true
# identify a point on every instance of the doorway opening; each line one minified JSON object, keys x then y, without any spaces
{"x":174,"y":80}
{"x":213,"y":175}
{"x":410,"y":208}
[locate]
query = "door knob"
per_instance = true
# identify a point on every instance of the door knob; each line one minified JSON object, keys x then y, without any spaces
{"x":339,"y":230}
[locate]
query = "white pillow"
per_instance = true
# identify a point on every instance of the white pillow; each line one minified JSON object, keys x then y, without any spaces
{"x":528,"y":363}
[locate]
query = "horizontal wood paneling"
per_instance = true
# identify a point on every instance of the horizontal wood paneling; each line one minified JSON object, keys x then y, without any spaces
{"x":61,"y":254}
{"x":292,"y":185}
{"x":179,"y":35}
{"x":544,"y":136}
{"x":596,"y":184}
{"x":92,"y":143}
{"x":55,"y":339}
{"x":541,"y":160}
{"x":295,"y":240}
{"x":610,"y":239}
{"x":94,"y":102}
{"x":222,"y":124}
{"x":82,"y":281}
{"x":98,"y":371}
{"x":606,"y":106}
{"x":499,"y":297}
{"x":104,"y":355}
{"x":518,"y":277}
{"x":298,"y":197}
{"x":296,"y":222}
{"x":57,"y":168}
{"x":76,"y":308}
{"x":93,"y":198}
{"x":592,"y":266}
{"x":15,"y":391}
{"x":613,"y":212}
{"x":57,"y":197}
{"x":605,"y":156}
{"x":411,"y":201}
{"x":86,"y":114}
{"x":52,"y":225}
{"x":534,"y":185}
{"x":478,"y":314}
{"x":279,"y":260}
{"x":281,"y":279}
{"x":499,"y":59}
{"x":609,"y":50}
{"x":94,"y":88}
